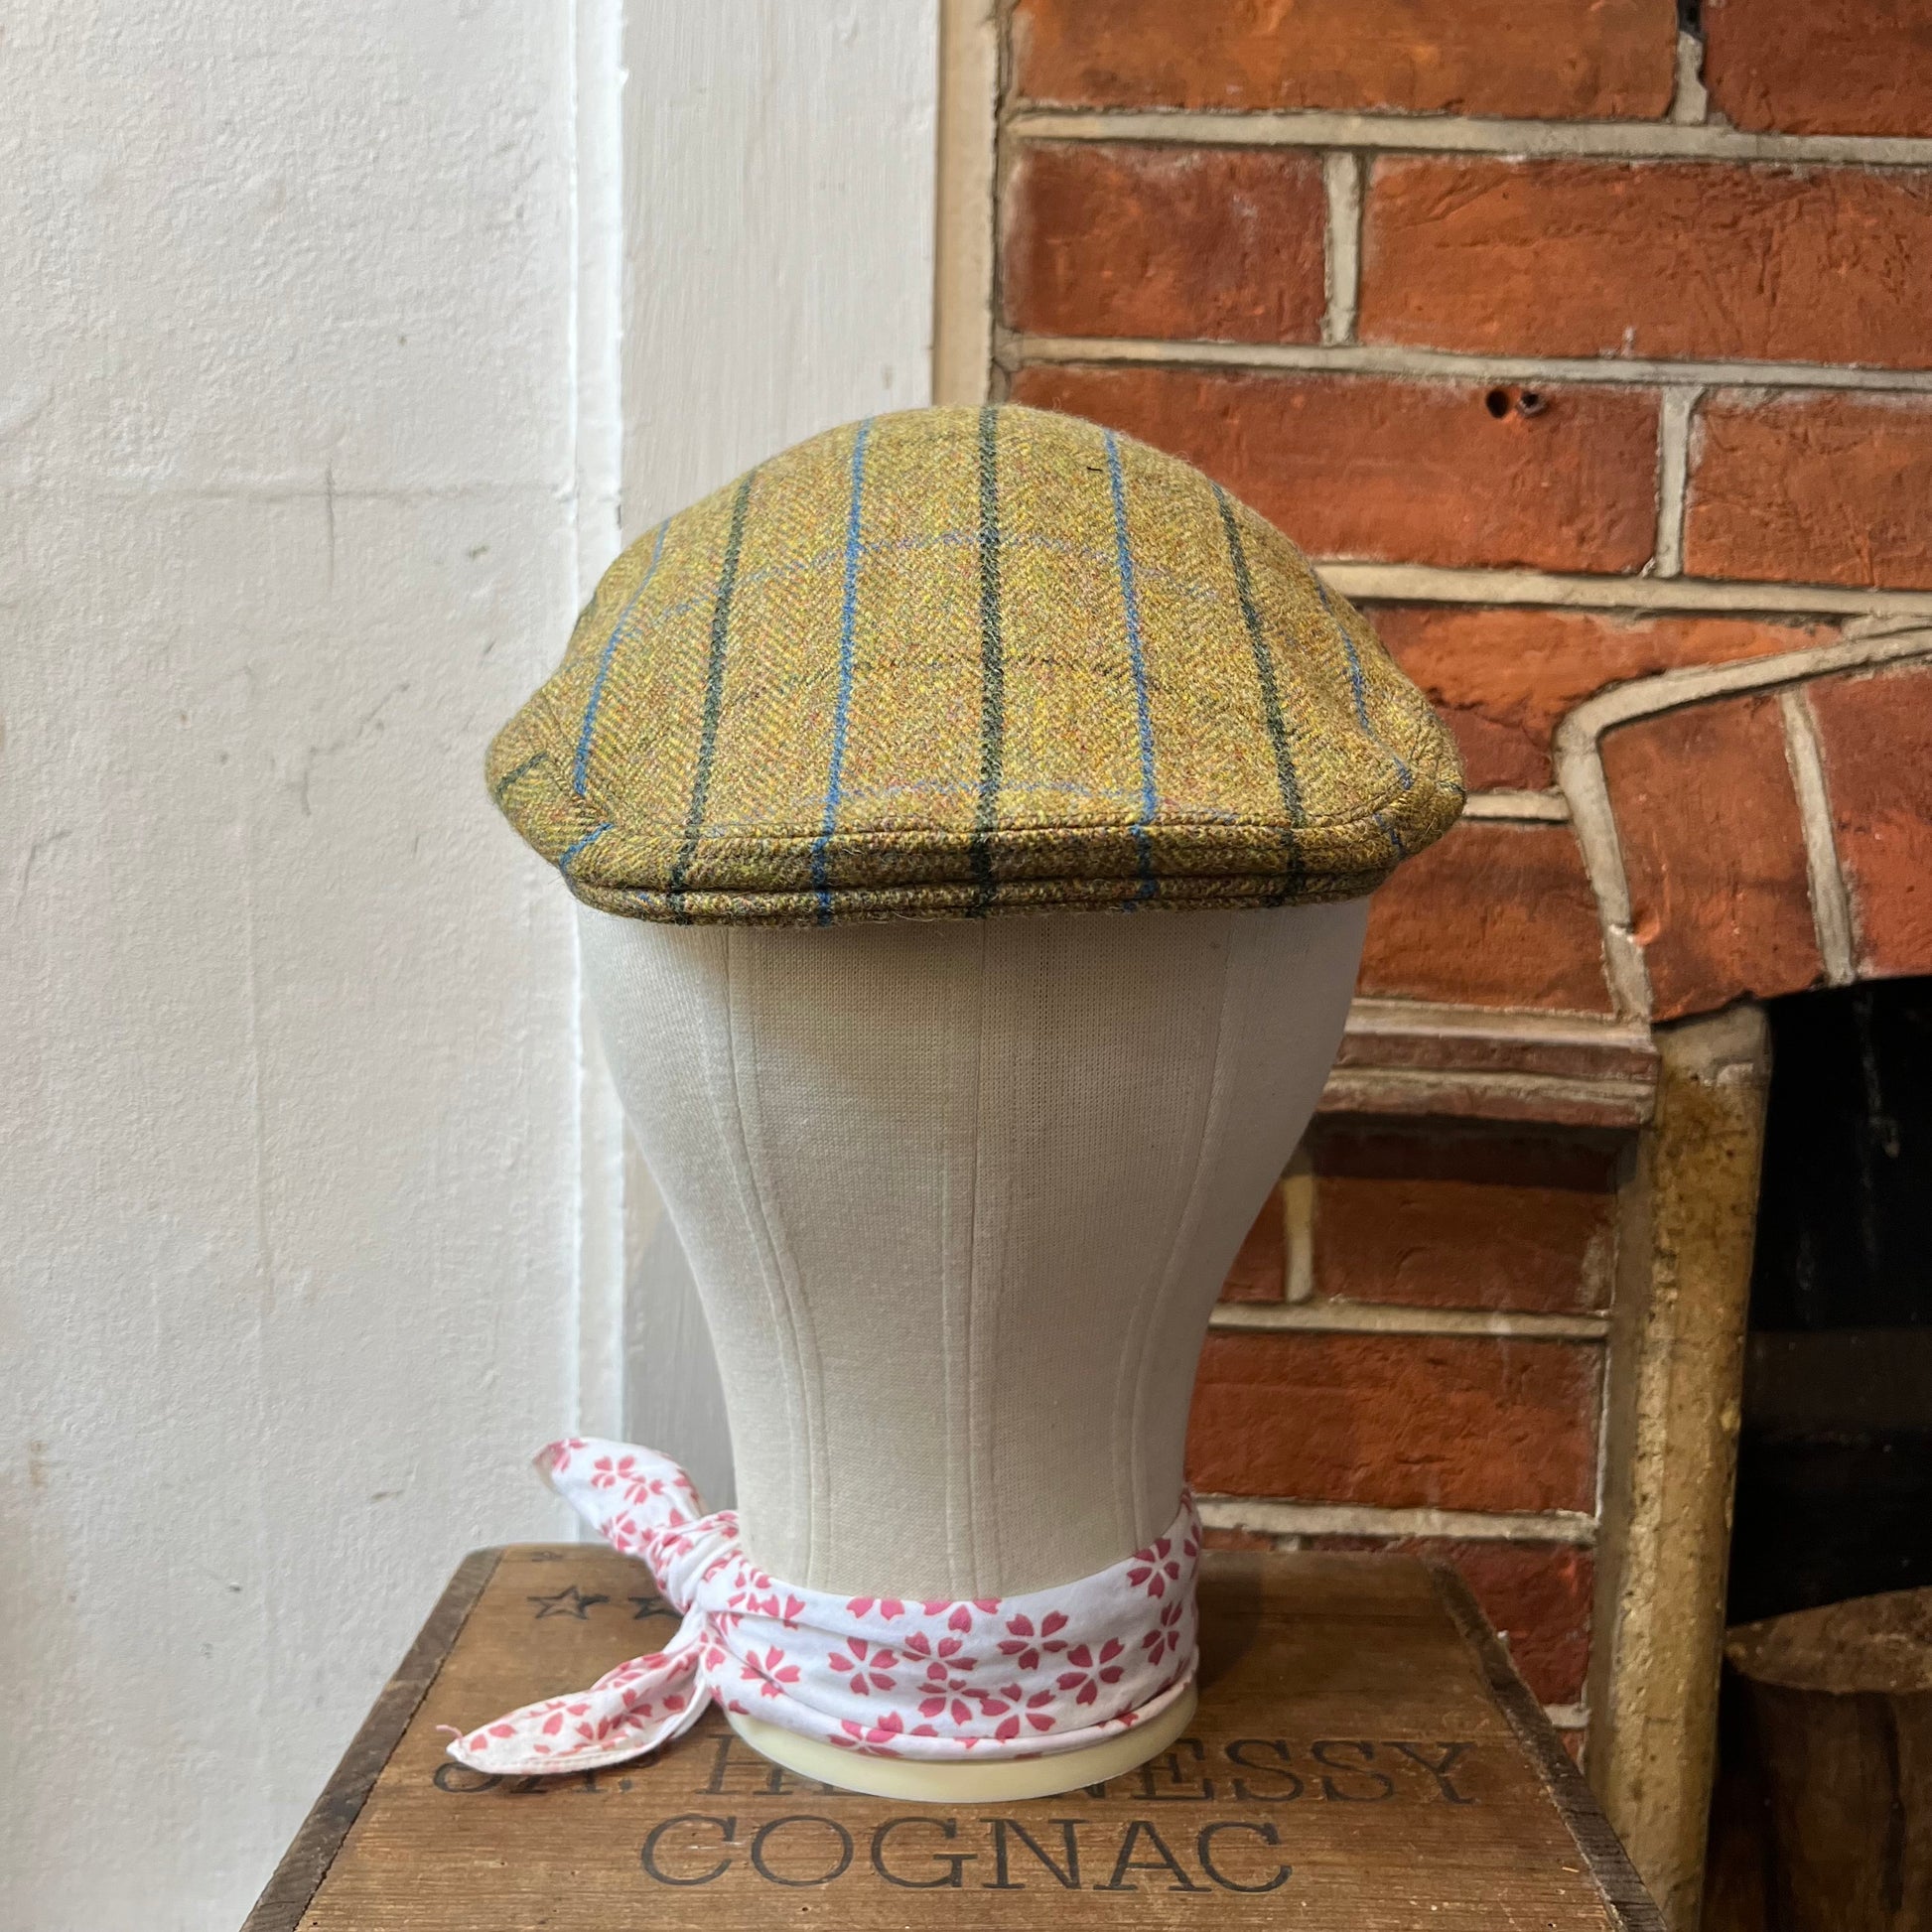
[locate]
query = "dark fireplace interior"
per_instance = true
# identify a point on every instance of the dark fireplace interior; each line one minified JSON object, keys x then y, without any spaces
{"x":1835,"y":1455}
{"x":1835,"y":1458}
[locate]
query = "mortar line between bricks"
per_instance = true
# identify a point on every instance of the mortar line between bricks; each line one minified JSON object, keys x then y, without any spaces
{"x":1278,"y":1516}
{"x":1673,"y":477}
{"x":1342,"y":177}
{"x":1298,"y":1219}
{"x":1371,"y":1017}
{"x":1375,"y":358}
{"x":1831,"y":904}
{"x":1454,"y":134}
{"x":1689,"y":103}
{"x":1389,"y":1319}
{"x":1441,"y":584}
{"x":1538,"y":807}
{"x":1646,"y":697}
{"x":1579,"y":761}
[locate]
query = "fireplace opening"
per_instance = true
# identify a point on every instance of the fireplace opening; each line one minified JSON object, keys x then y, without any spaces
{"x":1835,"y":1453}
{"x":1834,"y":1499}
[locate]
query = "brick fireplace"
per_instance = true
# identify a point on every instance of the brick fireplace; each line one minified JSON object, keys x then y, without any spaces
{"x":1590,"y":349}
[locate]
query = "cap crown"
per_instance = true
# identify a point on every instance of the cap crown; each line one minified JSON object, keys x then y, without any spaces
{"x":966,"y":661}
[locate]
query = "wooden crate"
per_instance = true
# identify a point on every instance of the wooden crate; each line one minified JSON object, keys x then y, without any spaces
{"x":1364,"y":1759}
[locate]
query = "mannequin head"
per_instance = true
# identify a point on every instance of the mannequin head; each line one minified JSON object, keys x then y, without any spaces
{"x":958,"y":1197}
{"x":974,"y":811}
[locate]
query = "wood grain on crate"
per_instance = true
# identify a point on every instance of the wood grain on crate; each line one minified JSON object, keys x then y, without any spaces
{"x":1364,"y":1759}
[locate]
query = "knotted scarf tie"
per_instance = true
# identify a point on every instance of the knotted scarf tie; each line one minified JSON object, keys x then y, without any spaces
{"x":1025,"y":1676}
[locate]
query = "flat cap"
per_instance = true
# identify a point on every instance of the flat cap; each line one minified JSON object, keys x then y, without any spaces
{"x":954,"y":662}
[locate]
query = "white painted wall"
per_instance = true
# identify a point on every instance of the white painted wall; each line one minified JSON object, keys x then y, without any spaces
{"x":289,"y":1213}
{"x":308,"y":1198}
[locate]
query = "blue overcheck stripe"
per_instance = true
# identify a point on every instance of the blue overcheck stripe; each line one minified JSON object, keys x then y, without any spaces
{"x":848,"y":624}
{"x":1130,"y":601}
{"x":580,"y":765}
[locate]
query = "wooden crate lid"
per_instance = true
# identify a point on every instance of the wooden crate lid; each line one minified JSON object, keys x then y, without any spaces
{"x":1364,"y":1759}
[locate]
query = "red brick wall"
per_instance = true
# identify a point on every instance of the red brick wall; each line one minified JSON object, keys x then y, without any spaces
{"x":1595,"y":360}
{"x":1585,"y":354}
{"x":1411,"y":1355}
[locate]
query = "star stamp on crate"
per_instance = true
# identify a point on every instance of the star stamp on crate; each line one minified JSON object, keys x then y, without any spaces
{"x":1363,"y":1759}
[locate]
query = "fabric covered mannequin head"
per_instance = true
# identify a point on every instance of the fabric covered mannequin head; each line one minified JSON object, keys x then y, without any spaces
{"x":959,"y":1186}
{"x":958,"y":1197}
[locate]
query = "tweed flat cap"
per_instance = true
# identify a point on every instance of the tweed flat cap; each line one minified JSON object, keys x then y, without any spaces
{"x":954,"y":662}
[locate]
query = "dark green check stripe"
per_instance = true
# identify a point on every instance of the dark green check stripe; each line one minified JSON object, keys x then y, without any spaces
{"x":714,"y":698}
{"x":1270,"y":702}
{"x":992,"y":659}
{"x":517,"y":772}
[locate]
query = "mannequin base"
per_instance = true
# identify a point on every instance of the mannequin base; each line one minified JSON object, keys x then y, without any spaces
{"x":989,"y":1781}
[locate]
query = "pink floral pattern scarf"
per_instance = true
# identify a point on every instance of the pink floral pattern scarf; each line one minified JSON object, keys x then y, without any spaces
{"x":1026,"y":1675}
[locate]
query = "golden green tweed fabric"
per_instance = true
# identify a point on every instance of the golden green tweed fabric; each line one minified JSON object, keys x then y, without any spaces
{"x":965,"y":661}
